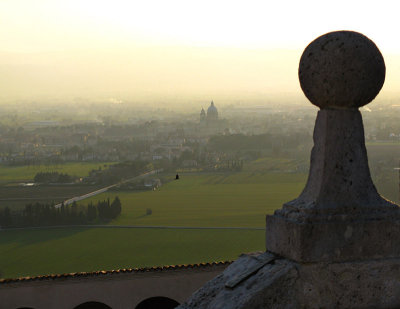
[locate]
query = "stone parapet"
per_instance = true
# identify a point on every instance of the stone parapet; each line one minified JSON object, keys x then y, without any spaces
{"x":282,"y":283}
{"x":339,"y":216}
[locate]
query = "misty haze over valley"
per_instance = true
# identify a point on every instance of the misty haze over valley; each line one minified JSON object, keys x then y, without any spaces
{"x":161,"y":133}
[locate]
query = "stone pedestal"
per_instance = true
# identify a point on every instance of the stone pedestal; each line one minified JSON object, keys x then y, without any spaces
{"x":336,"y":241}
{"x":339,"y":216}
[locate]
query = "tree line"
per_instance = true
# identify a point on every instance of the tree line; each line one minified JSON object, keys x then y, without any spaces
{"x":38,"y":214}
{"x":53,"y":177}
{"x":119,"y":171}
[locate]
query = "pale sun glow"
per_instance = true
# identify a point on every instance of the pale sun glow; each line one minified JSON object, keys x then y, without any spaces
{"x":161,"y":45}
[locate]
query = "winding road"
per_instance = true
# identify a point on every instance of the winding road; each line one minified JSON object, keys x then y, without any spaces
{"x":99,"y":191}
{"x":82,"y":197}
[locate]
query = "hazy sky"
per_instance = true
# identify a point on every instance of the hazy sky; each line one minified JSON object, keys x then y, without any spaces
{"x":61,"y":47}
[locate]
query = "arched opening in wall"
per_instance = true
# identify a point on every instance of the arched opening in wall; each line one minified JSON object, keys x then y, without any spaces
{"x":92,"y":305}
{"x":158,"y":302}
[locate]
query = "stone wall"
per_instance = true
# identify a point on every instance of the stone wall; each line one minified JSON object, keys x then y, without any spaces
{"x":118,"y":290}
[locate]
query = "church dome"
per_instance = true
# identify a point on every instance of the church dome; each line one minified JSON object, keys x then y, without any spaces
{"x":212,"y":112}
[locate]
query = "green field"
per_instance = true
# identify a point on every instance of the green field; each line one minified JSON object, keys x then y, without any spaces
{"x":236,"y":199}
{"x":26,"y":173}
{"x":273,"y":164}
{"x":195,"y":200}
{"x":16,"y":197}
{"x":210,"y":200}
{"x":38,"y":252}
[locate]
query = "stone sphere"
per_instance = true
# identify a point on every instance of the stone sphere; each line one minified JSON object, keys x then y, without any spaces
{"x":341,"y":69}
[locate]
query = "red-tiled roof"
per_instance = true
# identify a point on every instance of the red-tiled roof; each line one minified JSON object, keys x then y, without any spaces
{"x":119,"y":271}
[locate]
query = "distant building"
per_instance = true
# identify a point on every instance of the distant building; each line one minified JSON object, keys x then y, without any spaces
{"x":212,"y":115}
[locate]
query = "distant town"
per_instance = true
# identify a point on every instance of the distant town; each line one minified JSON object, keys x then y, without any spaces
{"x":201,"y":138}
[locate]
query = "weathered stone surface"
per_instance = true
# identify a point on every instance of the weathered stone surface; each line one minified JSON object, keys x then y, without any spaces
{"x":286,"y":284}
{"x":342,"y":69}
{"x":367,"y":284}
{"x":333,"y":241}
{"x":339,"y":180}
{"x":264,"y":289}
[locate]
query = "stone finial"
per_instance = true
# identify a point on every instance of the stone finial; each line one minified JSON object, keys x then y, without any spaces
{"x":339,"y":72}
{"x":341,"y":69}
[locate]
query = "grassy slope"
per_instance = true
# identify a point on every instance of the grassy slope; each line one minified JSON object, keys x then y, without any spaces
{"x":240,"y":199}
{"x":38,"y":252}
{"x":237,"y":199}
